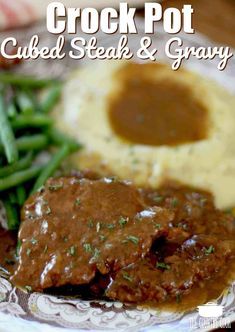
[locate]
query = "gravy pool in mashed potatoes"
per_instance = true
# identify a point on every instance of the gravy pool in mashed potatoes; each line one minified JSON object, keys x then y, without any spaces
{"x":149,"y":124}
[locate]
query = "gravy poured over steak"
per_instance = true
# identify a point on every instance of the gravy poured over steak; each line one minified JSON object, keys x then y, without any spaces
{"x":129,"y":244}
{"x":76,"y":227}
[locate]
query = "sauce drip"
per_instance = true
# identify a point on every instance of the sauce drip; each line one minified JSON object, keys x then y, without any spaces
{"x":8,"y":242}
{"x":155,"y":111}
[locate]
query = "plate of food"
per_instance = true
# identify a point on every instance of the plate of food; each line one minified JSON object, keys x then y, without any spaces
{"x":117,"y":186}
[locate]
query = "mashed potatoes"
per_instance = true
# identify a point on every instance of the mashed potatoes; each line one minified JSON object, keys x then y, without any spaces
{"x":149,"y":124}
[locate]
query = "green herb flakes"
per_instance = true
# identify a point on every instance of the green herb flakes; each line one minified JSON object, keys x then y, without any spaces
{"x":174,"y":202}
{"x":87,"y":247}
{"x":161,"y":265}
{"x":158,"y":226}
{"x":33,"y":241}
{"x":90,"y":223}
{"x":28,"y":288}
{"x":132,"y":239}
{"x":123,"y":221}
{"x":72,"y":251}
{"x":102,"y":237}
{"x":96,"y":254}
{"x":178,"y":298}
{"x":77,"y":201}
{"x":110,"y":226}
{"x":209,"y":250}
{"x":48,"y":210}
{"x":158,"y":199}
{"x":126,"y":276}
{"x":55,"y":187}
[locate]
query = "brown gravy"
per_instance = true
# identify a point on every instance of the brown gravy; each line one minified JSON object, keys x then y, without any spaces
{"x":168,"y":248}
{"x":8,"y":242}
{"x":155,"y":112}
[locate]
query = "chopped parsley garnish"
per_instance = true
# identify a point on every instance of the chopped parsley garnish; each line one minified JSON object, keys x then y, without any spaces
{"x":122,"y":221}
{"x":110,"y":226}
{"x":102,"y":237}
{"x":174,"y":202}
{"x":163,"y":266}
{"x":72,"y":250}
{"x":87,"y":247}
{"x":96,"y":253}
{"x":209,"y":250}
{"x":90,"y":223}
{"x":28,"y":288}
{"x":77,"y":201}
{"x":28,"y":252}
{"x":132,"y":239}
{"x":203,"y":201}
{"x":158,"y":199}
{"x":48,"y":210}
{"x":45,"y":249}
{"x":178,"y":298}
{"x":158,"y":226}
{"x":33,"y":241}
{"x":127,"y":276}
{"x":56,"y":186}
{"x":135,"y":161}
{"x":182,"y":225}
{"x":65,"y":239}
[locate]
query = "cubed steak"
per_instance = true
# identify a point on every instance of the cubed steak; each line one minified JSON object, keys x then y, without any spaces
{"x":74,"y":227}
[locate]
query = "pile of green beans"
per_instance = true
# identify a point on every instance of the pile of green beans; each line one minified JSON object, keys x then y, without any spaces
{"x":26,"y":129}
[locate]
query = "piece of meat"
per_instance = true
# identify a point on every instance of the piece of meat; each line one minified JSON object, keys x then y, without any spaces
{"x":75,"y":227}
{"x":8,"y":241}
{"x":194,"y":210}
{"x":199,"y":244}
{"x":198,"y":259}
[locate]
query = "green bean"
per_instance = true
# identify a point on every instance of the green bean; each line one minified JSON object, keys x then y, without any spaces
{"x":12,"y":197}
{"x":25,"y":103}
{"x":33,"y":98}
{"x":18,"y":246}
{"x":58,"y":138}
{"x":34,"y":120}
{"x":21,"y":195}
{"x":25,"y":81}
{"x":7,"y":136}
{"x":28,"y":143}
{"x":34,"y":142}
{"x":52,"y":97}
{"x":52,"y":166}
{"x":12,"y":215}
{"x":24,"y":162}
{"x":11,"y":110}
{"x":19,"y":177}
